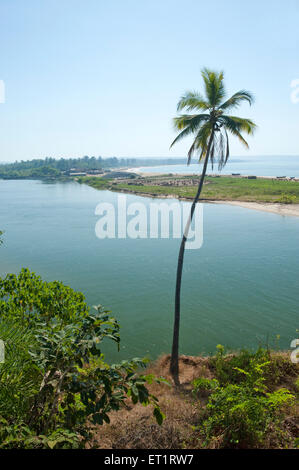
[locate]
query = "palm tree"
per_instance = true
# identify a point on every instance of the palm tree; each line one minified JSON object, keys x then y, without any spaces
{"x":210,"y":130}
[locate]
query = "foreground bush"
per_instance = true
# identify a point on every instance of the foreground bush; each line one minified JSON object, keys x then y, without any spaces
{"x":242,"y":411}
{"x":54,"y":379}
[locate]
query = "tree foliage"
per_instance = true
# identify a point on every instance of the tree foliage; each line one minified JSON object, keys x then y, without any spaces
{"x":210,"y":120}
{"x":241,"y":410}
{"x":55,"y":363}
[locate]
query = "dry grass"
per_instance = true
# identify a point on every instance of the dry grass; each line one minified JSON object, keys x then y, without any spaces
{"x":135,"y":427}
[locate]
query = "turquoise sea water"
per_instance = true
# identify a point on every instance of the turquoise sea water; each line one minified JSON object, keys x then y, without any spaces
{"x":240,"y":289}
{"x":259,"y":166}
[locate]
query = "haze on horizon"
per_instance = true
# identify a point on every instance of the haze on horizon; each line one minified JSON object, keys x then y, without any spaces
{"x":97,"y":78}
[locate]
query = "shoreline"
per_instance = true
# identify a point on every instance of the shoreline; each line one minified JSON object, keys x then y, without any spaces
{"x":155,"y":173}
{"x":291,"y":210}
{"x":152,"y":173}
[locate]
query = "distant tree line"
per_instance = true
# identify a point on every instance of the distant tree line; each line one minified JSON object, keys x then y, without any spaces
{"x":55,"y":168}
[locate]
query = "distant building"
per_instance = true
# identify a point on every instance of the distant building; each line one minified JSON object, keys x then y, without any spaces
{"x":95,"y":172}
{"x":75,"y":172}
{"x":81,"y":173}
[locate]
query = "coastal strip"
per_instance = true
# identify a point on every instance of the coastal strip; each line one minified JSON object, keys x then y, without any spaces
{"x":264,"y":194}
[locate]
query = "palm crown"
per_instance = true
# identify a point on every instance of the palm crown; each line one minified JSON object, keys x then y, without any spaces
{"x":212,"y":126}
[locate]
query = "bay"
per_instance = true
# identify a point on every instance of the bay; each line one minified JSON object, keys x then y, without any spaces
{"x":241,"y":289}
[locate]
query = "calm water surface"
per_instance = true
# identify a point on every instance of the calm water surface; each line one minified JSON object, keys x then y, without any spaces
{"x":240,"y":289}
{"x":256,"y":165}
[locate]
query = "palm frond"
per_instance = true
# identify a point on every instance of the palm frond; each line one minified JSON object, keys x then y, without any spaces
{"x":200,"y":143}
{"x":193,"y":120}
{"x":212,"y":151}
{"x":192,"y":100}
{"x":240,"y":124}
{"x":223,"y":149}
{"x":235,"y":100}
{"x":226,"y":157}
{"x":189,"y":124}
{"x":191,"y":152}
{"x":235,"y":128}
{"x":187,"y":131}
{"x":214,"y":87}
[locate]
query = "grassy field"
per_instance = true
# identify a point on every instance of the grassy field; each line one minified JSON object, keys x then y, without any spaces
{"x":215,"y":189}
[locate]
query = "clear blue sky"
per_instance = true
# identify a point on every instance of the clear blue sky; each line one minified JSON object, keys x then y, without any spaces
{"x":95,"y":77}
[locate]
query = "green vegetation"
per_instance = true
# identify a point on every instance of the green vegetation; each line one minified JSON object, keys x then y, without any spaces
{"x":224,"y":188}
{"x":9,"y":171}
{"x":246,"y":407}
{"x":258,"y":190}
{"x":246,"y":399}
{"x":51,"y":168}
{"x":55,"y":385}
{"x":56,"y":388}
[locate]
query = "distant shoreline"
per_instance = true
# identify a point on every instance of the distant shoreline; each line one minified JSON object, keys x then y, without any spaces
{"x":280,"y":209}
{"x":291,"y":210}
{"x":267,"y":194}
{"x":156,"y":173}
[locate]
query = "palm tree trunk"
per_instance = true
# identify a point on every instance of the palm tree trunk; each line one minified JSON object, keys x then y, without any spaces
{"x":174,"y":361}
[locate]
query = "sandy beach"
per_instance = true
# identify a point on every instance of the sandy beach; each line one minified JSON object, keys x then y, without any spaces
{"x":155,"y":173}
{"x":275,"y":208}
{"x":281,"y":209}
{"x":150,"y":174}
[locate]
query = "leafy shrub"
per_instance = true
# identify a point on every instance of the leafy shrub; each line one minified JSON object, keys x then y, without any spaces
{"x":240,"y":414}
{"x":242,"y":417}
{"x":286,"y":199}
{"x":203,"y":384}
{"x":227,"y":366}
{"x":18,"y":376}
{"x":29,"y":299}
{"x":20,"y":436}
{"x":60,"y":373}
